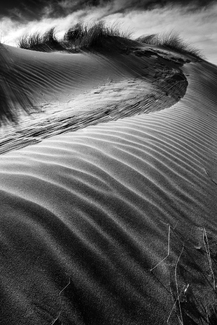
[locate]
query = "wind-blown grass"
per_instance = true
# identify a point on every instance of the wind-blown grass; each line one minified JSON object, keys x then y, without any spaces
{"x":44,"y":43}
{"x":94,"y":37}
{"x":172,"y":42}
{"x":77,"y":38}
{"x":98,"y":37}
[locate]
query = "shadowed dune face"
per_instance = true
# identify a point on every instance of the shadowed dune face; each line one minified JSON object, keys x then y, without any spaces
{"x":44,"y":78}
{"x":44,"y":94}
{"x":86,"y":216}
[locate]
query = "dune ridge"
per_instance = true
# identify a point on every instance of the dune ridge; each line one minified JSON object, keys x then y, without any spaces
{"x":59,"y":87}
{"x":88,"y":216}
{"x":113,"y":221}
{"x":28,"y":84}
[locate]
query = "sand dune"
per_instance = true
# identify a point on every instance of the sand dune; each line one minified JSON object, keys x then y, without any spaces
{"x":88,"y":216}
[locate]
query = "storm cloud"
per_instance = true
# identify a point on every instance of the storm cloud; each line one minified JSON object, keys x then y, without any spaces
{"x":195,"y":21}
{"x":30,"y":9}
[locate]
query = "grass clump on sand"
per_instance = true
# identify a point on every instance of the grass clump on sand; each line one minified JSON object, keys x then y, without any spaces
{"x":172,"y":42}
{"x":44,"y":43}
{"x":82,"y":37}
{"x":77,"y":38}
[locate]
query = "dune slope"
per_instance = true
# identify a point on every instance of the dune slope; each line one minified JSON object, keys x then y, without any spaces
{"x":88,"y":217}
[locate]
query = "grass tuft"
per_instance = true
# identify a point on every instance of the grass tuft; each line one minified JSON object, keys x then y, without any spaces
{"x":172,"y":42}
{"x":97,"y":36}
{"x":44,"y":43}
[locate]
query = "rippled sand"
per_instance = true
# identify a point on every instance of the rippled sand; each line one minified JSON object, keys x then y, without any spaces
{"x":88,"y":216}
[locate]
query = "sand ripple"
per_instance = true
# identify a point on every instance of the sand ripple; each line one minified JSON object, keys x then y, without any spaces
{"x":85,"y":215}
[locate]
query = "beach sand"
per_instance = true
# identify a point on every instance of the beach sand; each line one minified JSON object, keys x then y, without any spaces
{"x":108,"y":191}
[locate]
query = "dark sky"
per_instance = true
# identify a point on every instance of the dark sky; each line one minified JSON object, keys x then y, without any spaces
{"x":27,"y":10}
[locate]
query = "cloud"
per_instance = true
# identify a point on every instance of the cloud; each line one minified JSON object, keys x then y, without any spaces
{"x":16,"y":14}
{"x":32,"y":9}
{"x":199,"y":28}
{"x":68,"y":4}
{"x":123,"y":5}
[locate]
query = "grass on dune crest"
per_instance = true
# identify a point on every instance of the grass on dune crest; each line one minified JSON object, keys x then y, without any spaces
{"x":98,"y":38}
{"x":44,"y":43}
{"x":77,"y":38}
{"x":81,"y":37}
{"x":172,"y":42}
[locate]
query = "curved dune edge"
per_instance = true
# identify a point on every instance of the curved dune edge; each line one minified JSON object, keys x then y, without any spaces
{"x":106,"y":87}
{"x":87,"y":218}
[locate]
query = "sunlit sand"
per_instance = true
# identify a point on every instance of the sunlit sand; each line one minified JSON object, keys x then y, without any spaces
{"x":108,"y":187}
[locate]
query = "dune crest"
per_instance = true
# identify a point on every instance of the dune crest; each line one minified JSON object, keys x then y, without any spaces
{"x":112,"y":223}
{"x":71,"y":91}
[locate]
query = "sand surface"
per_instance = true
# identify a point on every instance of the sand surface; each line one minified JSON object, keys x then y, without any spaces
{"x":88,"y":216}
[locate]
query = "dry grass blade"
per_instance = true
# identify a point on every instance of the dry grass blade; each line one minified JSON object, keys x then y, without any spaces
{"x":168,"y":250}
{"x":177,"y":288}
{"x":56,"y":319}
{"x":178,"y":294}
{"x":206,"y":245}
{"x":54,"y":322}
{"x":66,"y":286}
